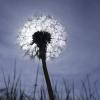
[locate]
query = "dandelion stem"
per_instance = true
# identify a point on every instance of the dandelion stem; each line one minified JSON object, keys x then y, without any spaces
{"x":49,"y":87}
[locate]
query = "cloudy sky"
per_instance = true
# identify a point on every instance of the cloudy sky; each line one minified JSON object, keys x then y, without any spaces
{"x":81,"y":19}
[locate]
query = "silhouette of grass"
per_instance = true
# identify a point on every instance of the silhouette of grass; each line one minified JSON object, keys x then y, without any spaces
{"x":12,"y":90}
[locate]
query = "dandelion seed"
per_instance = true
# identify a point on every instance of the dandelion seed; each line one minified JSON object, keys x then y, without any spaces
{"x":42,"y":24}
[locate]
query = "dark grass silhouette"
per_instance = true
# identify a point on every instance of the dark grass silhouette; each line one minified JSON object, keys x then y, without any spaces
{"x":13,"y":91}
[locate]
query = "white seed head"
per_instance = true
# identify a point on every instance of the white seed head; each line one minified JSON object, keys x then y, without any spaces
{"x":47,"y":24}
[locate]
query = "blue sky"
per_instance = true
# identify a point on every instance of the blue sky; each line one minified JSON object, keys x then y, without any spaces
{"x":81,"y":18}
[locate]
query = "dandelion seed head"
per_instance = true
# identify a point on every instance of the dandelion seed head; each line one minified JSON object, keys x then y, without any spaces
{"x":42,"y":24}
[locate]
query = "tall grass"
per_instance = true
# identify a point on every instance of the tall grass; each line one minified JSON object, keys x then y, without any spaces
{"x":13,"y":91}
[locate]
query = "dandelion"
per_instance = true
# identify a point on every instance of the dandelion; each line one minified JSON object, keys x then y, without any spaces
{"x":42,"y":24}
{"x":42,"y":37}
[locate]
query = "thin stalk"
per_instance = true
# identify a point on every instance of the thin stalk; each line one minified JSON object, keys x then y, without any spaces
{"x":49,"y":87}
{"x":35,"y":87}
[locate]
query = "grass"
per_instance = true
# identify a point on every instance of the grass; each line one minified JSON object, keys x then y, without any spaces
{"x":12,"y":90}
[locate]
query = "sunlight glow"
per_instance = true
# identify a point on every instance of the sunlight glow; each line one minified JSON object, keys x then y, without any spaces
{"x":47,"y":24}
